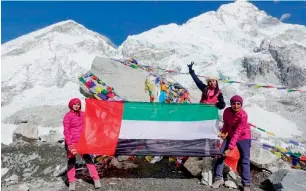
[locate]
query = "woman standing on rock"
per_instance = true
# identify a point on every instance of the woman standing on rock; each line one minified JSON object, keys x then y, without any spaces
{"x":73,"y":125}
{"x":237,"y":129}
{"x":211,"y":93}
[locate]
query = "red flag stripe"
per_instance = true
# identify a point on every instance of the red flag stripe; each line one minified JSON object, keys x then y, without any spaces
{"x":101,"y":127}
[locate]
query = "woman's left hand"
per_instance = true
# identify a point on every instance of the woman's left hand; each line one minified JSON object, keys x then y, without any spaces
{"x":73,"y":151}
{"x":226,"y":153}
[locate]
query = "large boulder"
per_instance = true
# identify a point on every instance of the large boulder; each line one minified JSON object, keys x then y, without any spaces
{"x":284,"y":179}
{"x":264,"y":159}
{"x":207,"y":171}
{"x":127,"y":82}
{"x":26,"y":132}
{"x":53,"y":136}
{"x":194,"y":165}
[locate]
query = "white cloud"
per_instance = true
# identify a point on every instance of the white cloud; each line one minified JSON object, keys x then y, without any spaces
{"x":284,"y":16}
{"x":276,"y":1}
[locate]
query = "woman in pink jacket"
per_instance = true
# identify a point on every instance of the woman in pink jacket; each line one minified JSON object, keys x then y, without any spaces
{"x":235,"y":125}
{"x":73,"y":125}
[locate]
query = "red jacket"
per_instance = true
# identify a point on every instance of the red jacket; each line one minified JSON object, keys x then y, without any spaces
{"x":211,"y":98}
{"x":73,"y":125}
{"x":236,"y":125}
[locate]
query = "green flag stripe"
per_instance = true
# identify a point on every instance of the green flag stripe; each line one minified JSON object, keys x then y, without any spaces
{"x":168,"y":112}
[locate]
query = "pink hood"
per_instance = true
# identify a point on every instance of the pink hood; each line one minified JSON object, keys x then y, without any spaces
{"x":73,"y":123}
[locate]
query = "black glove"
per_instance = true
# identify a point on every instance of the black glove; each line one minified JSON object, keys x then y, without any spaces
{"x":190,"y":66}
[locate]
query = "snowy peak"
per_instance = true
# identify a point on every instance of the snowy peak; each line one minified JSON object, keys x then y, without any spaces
{"x":231,"y":15}
{"x":58,"y":32}
{"x":52,"y":56}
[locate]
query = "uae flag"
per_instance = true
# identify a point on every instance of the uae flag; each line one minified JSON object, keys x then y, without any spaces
{"x":138,"y":128}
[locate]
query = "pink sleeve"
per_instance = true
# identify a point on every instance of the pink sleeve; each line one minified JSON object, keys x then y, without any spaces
{"x":67,"y":134}
{"x":225,"y":126}
{"x":243,"y":123}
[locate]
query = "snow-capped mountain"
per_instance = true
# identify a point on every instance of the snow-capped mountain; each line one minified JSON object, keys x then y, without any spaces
{"x":41,"y":68}
{"x":238,"y":40}
{"x":244,"y":44}
{"x":52,"y":56}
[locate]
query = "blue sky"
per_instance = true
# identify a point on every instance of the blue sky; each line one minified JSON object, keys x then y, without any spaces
{"x":117,"y":20}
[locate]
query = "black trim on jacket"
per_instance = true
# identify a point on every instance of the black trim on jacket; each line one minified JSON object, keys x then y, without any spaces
{"x":204,"y":88}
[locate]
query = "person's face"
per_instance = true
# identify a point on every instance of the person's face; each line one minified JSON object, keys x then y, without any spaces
{"x":236,"y":106}
{"x":76,"y":107}
{"x":212,"y":83}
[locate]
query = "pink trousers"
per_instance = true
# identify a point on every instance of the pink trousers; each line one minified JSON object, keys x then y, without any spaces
{"x":71,"y":166}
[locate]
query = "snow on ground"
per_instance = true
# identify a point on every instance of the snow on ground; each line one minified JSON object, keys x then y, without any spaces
{"x":273,"y":122}
{"x":39,"y":96}
{"x":7,"y":133}
{"x":46,"y":130}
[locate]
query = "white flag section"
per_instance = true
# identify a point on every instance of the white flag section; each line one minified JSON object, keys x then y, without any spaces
{"x":136,"y":128}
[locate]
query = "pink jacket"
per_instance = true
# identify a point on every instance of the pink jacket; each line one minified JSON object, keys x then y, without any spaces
{"x":73,"y":125}
{"x":236,"y":125}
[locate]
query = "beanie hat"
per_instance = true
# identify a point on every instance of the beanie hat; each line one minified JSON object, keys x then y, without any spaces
{"x":236,"y":98}
{"x":74,"y":101}
{"x":210,"y":78}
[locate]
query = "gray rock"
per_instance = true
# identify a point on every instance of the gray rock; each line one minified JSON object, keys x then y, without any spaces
{"x":207,"y":171}
{"x":263,"y":158}
{"x":194,"y":165}
{"x":27,"y":174}
{"x":12,"y":178}
{"x":122,"y":158}
{"x":119,"y":76}
{"x":26,"y":132}
{"x":23,"y":187}
{"x":288,"y":180}
{"x":60,"y":170}
{"x":114,"y":162}
{"x":4,"y":171}
{"x":48,"y":170}
{"x":129,"y":165}
{"x":230,"y":184}
{"x":289,"y":56}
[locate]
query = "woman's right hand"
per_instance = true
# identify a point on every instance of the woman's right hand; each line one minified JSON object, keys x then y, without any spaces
{"x":222,"y":135}
{"x":190,"y":65}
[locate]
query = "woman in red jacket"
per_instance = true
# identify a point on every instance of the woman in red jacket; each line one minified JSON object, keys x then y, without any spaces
{"x":211,"y":93}
{"x":73,"y":125}
{"x":235,"y":125}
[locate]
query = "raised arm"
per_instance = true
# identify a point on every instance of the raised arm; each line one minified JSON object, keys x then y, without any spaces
{"x":195,"y":78}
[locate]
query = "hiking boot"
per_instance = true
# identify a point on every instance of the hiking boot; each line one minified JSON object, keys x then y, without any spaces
{"x":246,"y":188}
{"x":97,"y":184}
{"x":217,"y":183}
{"x":71,"y":186}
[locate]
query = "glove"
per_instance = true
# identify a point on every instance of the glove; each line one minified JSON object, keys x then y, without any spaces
{"x":190,"y":66}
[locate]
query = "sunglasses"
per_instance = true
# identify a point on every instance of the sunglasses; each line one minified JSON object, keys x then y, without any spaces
{"x":235,"y":103}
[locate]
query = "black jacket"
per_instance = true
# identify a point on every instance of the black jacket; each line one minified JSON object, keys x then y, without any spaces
{"x":204,"y":88}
